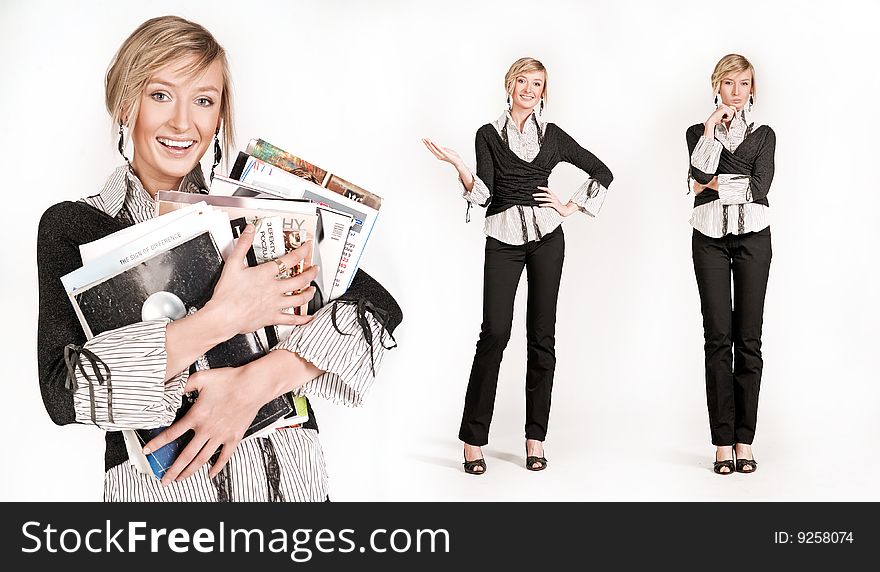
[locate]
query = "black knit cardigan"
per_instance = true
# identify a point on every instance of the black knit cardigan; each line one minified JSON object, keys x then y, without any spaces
{"x":63,"y":228}
{"x":513,"y":181}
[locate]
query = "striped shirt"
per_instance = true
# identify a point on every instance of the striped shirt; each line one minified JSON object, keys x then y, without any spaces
{"x":710,"y":218}
{"x":507,"y":226}
{"x":288,"y":464}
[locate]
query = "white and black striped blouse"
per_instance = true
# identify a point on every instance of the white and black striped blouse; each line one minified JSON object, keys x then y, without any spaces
{"x":732,"y":190}
{"x":288,"y":465}
{"x":507,"y":226}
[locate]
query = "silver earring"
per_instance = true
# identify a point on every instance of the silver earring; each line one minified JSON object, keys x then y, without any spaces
{"x":751,"y":101}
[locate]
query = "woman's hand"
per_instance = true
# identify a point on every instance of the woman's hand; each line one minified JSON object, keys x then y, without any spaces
{"x":249,"y":298}
{"x":229,"y":399}
{"x":713,"y":184}
{"x":722,"y":113}
{"x":549,"y":199}
{"x":450,"y":156}
{"x":443,"y":153}
{"x":225,"y":408}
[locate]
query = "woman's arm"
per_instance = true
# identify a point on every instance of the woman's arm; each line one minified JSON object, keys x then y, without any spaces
{"x":476,"y":187}
{"x":590,"y":197}
{"x":572,"y":152}
{"x":133,"y":354}
{"x":704,"y":153}
{"x":764,"y":168}
{"x":133,"y":376}
{"x":736,"y":188}
{"x":336,"y":356}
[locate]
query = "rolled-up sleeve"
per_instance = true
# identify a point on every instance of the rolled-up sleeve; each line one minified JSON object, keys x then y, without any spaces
{"x":342,"y":351}
{"x":479,"y":194}
{"x":590,"y":197}
{"x":136,"y":396}
{"x":706,"y":154}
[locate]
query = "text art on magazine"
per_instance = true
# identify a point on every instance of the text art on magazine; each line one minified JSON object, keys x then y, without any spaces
{"x":260,"y":174}
{"x":331,"y":232}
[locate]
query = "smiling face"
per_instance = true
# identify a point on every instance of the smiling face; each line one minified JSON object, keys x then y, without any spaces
{"x":736,"y":88}
{"x":528,"y":87}
{"x":178,"y":116}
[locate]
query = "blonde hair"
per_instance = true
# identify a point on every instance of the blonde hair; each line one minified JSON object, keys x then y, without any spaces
{"x":155,"y":44}
{"x":729,"y":65}
{"x":521,"y":66}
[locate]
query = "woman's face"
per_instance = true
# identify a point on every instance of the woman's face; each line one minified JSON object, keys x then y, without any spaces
{"x":528,"y":88}
{"x":178,"y":117}
{"x":736,"y":88}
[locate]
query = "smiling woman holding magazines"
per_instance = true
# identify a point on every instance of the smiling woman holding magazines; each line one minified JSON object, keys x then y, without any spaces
{"x":168,"y":90}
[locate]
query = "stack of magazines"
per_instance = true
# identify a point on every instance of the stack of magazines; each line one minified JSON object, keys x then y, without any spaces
{"x":167,"y":267}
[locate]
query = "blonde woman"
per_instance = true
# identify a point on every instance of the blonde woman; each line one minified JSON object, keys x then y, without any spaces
{"x":168,"y":91}
{"x":515,"y":155}
{"x":732,"y":164}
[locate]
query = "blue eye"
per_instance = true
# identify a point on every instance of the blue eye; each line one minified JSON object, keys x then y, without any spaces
{"x":159,"y":96}
{"x":204,"y":102}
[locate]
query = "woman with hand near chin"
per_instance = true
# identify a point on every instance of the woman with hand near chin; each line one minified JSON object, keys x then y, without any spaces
{"x":732,"y":165}
{"x":515,"y":155}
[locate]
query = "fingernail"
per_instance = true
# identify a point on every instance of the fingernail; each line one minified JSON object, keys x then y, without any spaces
{"x":249,"y":228}
{"x":147,"y":450}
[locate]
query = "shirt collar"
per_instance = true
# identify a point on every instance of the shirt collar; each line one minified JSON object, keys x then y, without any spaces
{"x":116,"y":190}
{"x":529,"y":125}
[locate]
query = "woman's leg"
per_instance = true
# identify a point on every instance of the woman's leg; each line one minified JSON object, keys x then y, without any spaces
{"x":751,"y":269}
{"x":544,"y":271}
{"x":501,"y":272}
{"x":712,"y":270}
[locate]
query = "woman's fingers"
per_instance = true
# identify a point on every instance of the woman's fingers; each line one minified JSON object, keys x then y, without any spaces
{"x":244,"y":242}
{"x":292,"y":258}
{"x":296,"y":300}
{"x":189,"y":453}
{"x":285,"y":319}
{"x":296,"y":282}
{"x":176,"y":429}
{"x":203,"y":457}
{"x":225,"y":454}
{"x":433,"y":148}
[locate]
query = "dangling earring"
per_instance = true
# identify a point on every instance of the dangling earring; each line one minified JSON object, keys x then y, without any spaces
{"x":121,"y":145}
{"x":541,"y":108}
{"x":218,"y":153}
{"x":716,"y":99}
{"x":751,"y":101}
{"x":509,"y":103}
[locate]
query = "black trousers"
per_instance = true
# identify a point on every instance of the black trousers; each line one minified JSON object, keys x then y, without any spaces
{"x":503,"y":267}
{"x":732,"y":328}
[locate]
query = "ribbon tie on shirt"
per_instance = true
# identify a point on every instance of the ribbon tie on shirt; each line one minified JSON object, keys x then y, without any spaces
{"x":73,"y":356}
{"x":381,"y":316}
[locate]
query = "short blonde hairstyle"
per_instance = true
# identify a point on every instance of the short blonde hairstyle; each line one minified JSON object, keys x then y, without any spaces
{"x":521,"y":66}
{"x":155,"y":44}
{"x":729,"y":65}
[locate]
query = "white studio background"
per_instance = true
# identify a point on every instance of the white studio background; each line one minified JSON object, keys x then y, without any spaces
{"x":354,"y":85}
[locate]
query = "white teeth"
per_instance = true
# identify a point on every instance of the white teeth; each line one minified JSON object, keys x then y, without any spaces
{"x":178,"y":144}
